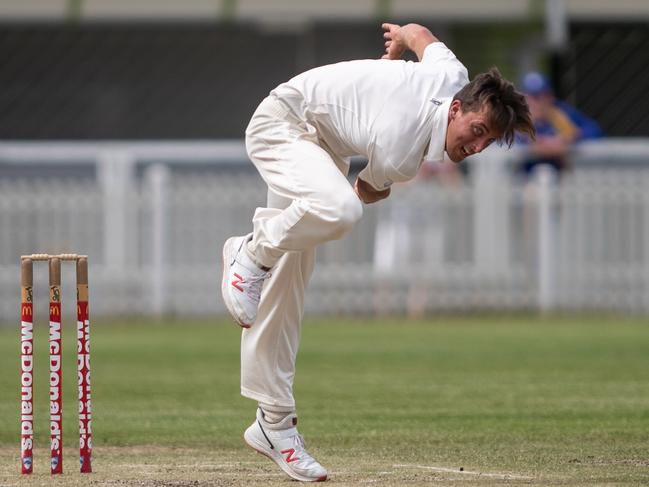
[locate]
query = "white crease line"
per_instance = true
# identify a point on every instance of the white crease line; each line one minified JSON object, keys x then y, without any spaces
{"x":216,"y":465}
{"x":503,"y":476}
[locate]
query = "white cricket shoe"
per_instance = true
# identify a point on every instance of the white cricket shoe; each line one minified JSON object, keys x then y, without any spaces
{"x":242,"y":281}
{"x":285,"y":446}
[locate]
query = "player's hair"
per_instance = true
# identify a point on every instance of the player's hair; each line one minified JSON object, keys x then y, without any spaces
{"x":509,"y":111}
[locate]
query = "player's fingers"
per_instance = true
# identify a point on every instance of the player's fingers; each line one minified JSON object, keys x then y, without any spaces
{"x":388,"y":44}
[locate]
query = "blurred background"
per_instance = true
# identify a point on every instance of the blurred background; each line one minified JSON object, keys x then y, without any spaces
{"x":121,"y":126}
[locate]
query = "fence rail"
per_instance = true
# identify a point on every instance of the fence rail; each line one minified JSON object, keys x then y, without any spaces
{"x":152,"y":217}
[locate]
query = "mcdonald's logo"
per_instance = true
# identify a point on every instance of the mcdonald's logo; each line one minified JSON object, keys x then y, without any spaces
{"x":26,"y":310}
{"x":55,"y":311}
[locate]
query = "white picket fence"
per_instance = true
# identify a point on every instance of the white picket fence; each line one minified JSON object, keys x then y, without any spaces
{"x":152,"y":218}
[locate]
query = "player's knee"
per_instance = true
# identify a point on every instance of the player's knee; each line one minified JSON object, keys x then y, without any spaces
{"x":345,"y":212}
{"x":352,"y":209}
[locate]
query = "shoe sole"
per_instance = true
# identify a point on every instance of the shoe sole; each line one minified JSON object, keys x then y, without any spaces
{"x":251,"y":443}
{"x":224,"y":285}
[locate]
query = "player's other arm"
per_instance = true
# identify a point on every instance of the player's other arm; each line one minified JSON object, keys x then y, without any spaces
{"x":367,"y":193}
{"x":410,"y":37}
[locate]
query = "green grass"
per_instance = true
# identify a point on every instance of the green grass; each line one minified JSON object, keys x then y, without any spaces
{"x":562,"y":400}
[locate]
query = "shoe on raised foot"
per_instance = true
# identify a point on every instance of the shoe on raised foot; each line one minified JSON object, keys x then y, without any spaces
{"x":285,"y":446}
{"x":242,"y":281}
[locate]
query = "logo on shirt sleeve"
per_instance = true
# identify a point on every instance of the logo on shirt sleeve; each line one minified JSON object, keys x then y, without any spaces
{"x":436,"y":101}
{"x":387,"y":184}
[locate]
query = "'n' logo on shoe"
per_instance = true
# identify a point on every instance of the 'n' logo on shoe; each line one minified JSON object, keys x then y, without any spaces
{"x":238,"y":280}
{"x":289,"y":452}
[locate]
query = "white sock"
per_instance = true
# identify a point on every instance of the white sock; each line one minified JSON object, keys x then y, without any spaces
{"x":275,"y":414}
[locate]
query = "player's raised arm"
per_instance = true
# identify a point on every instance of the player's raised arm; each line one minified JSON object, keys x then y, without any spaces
{"x":410,"y":37}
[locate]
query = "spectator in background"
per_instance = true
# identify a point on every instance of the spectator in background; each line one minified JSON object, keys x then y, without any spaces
{"x":558,"y":126}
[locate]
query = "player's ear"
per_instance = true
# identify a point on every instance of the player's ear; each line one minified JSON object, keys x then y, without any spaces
{"x":454,"y":109}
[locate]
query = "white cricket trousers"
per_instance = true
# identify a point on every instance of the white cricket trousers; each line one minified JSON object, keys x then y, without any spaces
{"x":310,"y":202}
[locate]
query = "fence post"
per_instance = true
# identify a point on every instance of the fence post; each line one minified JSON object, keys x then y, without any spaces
{"x":157,"y":177}
{"x":115,"y":174}
{"x":645,"y":244}
{"x":491,"y":230}
{"x":544,"y":178}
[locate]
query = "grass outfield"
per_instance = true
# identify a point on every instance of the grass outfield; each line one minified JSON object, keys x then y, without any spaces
{"x":510,"y":400}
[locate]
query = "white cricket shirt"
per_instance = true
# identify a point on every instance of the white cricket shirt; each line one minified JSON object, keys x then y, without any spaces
{"x":395,"y":113}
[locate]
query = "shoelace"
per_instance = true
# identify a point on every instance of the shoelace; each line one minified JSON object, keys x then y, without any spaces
{"x":254,"y":286}
{"x":306,"y":459}
{"x":300,"y":441}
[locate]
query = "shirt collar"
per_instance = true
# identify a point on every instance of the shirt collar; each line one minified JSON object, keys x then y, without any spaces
{"x":436,"y":147}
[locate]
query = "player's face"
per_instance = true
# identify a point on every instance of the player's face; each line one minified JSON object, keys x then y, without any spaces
{"x":468,"y":132}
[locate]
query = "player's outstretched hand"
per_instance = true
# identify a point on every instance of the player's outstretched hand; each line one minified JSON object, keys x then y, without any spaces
{"x":409,"y":37}
{"x":395,"y":44}
{"x":367,"y":193}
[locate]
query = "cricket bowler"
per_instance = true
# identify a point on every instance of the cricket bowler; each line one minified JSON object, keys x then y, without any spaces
{"x":394,"y":113}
